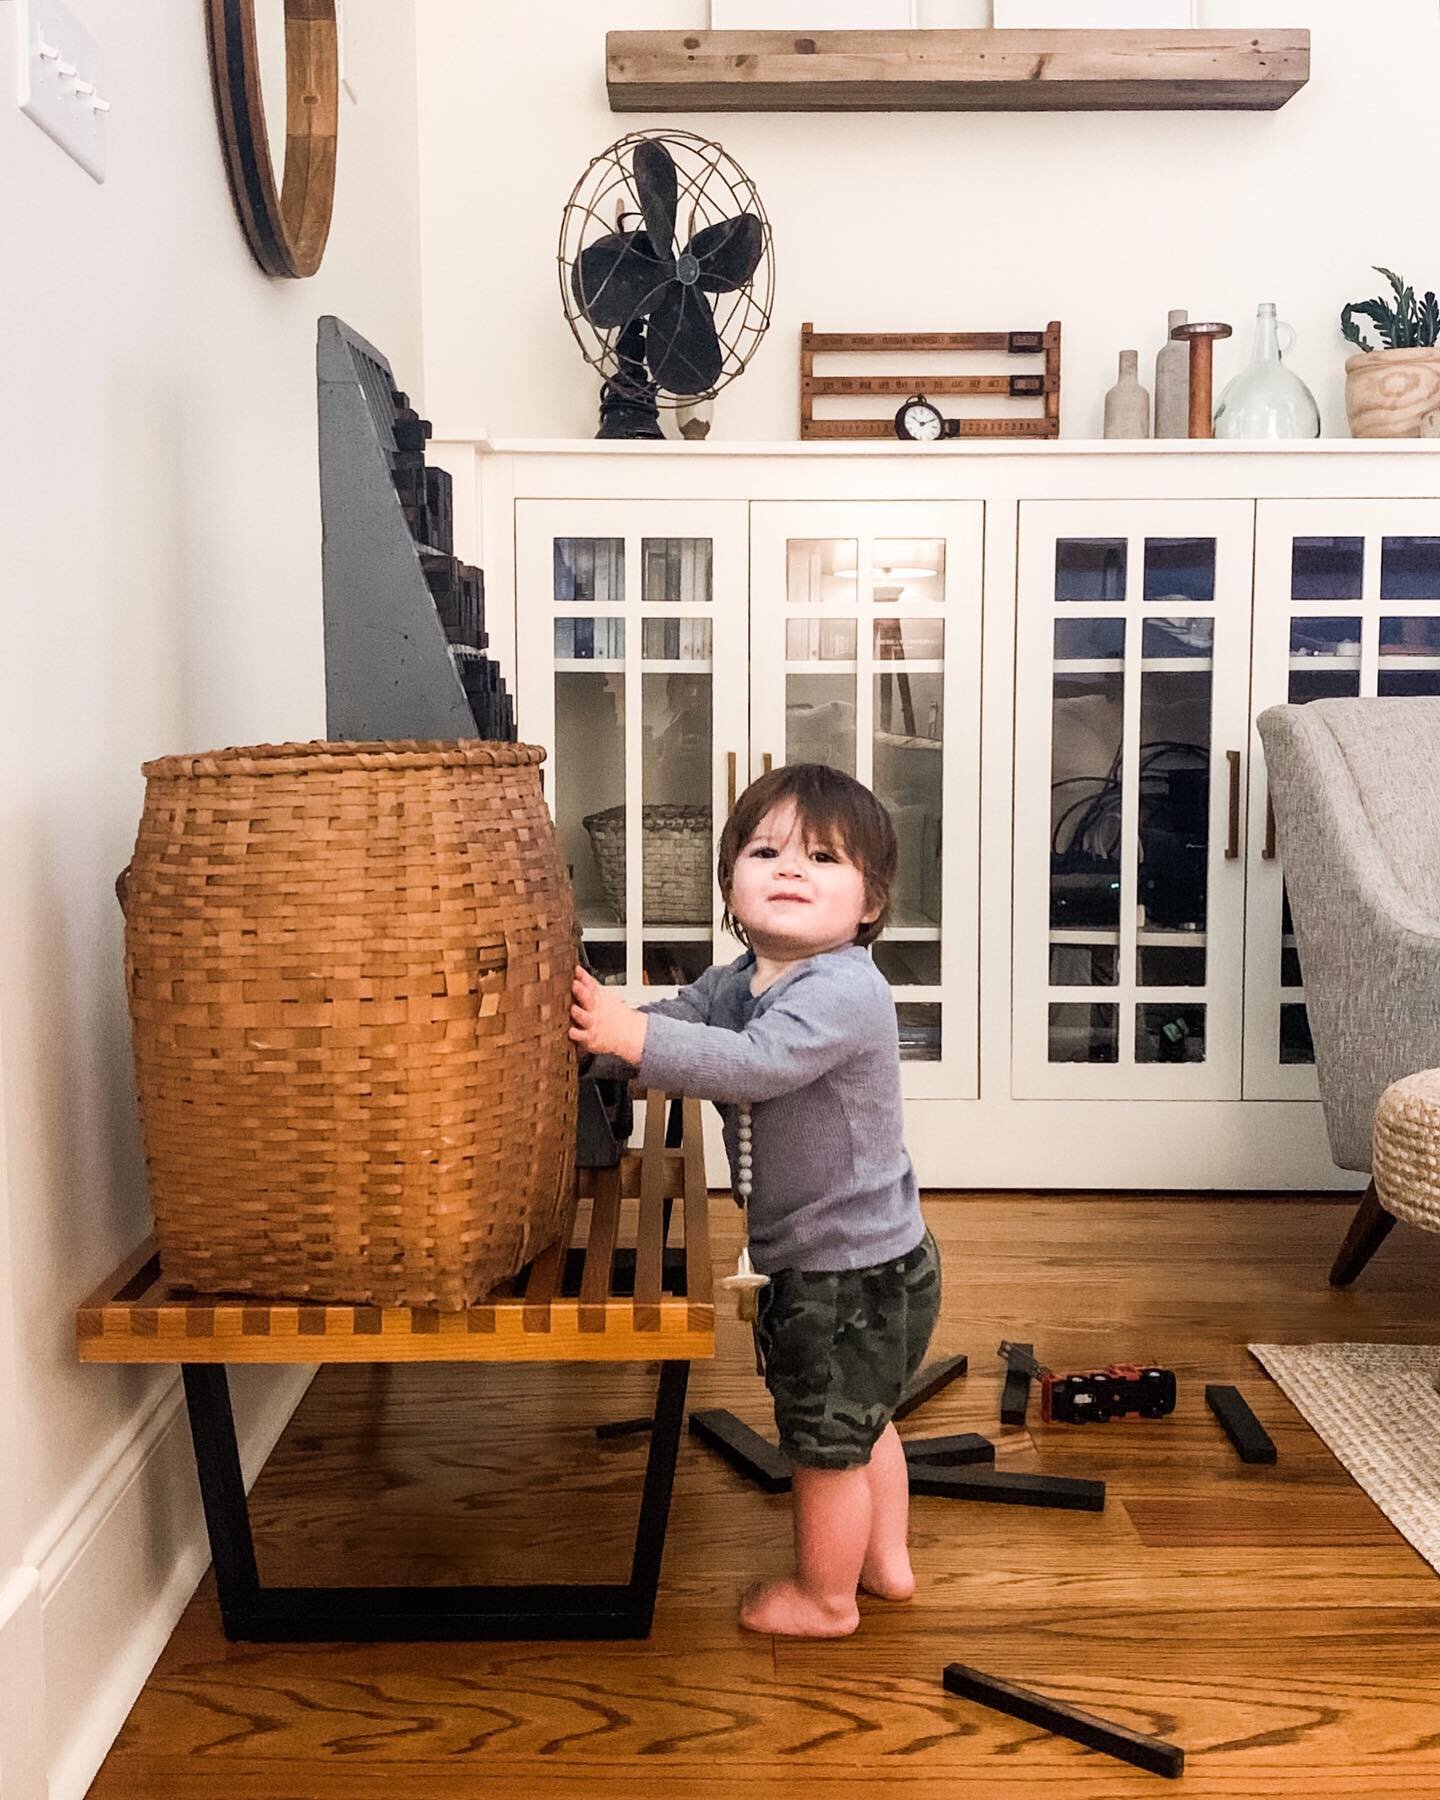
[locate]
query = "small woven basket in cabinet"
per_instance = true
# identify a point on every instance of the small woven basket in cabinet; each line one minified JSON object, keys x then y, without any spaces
{"x":677,"y":861}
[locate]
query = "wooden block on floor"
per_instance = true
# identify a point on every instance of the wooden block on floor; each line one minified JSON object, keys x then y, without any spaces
{"x":930,"y":1381}
{"x":1250,"y":1438}
{"x":955,"y":1450}
{"x":745,"y":1450}
{"x":1150,"y":1753}
{"x":1015,"y":1397}
{"x":1006,"y":1488}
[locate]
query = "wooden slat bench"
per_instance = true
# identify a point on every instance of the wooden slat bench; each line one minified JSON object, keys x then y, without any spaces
{"x":611,"y":1289}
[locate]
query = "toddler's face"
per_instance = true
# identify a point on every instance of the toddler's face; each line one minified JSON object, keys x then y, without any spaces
{"x":796,"y":898}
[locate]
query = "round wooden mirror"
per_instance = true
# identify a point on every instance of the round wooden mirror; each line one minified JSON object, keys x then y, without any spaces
{"x":286,"y":226}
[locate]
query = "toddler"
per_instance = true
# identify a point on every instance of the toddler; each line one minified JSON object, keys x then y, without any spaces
{"x":802,"y":1027}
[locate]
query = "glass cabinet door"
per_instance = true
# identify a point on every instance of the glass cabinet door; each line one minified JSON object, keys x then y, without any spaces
{"x":865,"y":654}
{"x":631,"y":633}
{"x":1131,"y":686}
{"x":1347,"y":602}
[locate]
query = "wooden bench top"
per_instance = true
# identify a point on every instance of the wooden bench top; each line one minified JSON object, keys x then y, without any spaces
{"x":608,"y":1290}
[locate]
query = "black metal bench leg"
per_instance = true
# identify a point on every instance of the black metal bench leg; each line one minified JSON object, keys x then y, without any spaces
{"x":560,"y":1610}
{"x":655,"y":1497}
{"x":222,"y":1492}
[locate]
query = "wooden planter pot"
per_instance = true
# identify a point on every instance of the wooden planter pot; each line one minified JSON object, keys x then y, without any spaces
{"x":1389,"y":392}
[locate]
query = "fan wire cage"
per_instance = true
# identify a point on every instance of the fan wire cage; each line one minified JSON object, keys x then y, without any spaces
{"x":711,"y":192}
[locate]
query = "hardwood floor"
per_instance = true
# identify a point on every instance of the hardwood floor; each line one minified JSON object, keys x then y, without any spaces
{"x":1269,"y":1620}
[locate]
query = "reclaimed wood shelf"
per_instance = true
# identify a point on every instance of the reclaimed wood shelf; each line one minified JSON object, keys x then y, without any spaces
{"x":955,"y":71}
{"x":589,"y":1298}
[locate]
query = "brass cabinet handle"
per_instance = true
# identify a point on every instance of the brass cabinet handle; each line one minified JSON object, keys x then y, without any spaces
{"x":767,"y":763}
{"x":1232,"y":842}
{"x":1269,"y":851}
{"x":729,"y":782}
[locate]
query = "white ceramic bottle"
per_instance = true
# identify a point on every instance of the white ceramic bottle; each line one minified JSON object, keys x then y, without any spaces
{"x":1172,"y":382}
{"x":1127,"y":405}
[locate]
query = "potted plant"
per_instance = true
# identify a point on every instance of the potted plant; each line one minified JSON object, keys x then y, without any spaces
{"x":1388,"y":391}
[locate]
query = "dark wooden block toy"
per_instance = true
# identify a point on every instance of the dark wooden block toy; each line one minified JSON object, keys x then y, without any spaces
{"x":953,"y":1451}
{"x":1244,"y":1430}
{"x":1015,"y":1396}
{"x":743,"y":1449}
{"x":765,"y":1464}
{"x":1007,"y":1488}
{"x":930,"y":1381}
{"x":1150,"y":1753}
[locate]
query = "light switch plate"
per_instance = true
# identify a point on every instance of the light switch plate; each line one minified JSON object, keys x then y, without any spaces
{"x":60,"y":85}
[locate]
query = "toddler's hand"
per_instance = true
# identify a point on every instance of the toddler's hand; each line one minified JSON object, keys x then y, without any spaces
{"x":604,"y":1024}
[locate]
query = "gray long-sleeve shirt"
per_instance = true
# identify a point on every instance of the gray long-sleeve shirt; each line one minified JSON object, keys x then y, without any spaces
{"x":817,"y":1056}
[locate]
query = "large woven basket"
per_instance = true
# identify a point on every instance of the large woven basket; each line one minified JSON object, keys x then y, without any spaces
{"x":348,"y":969}
{"x":677,"y":861}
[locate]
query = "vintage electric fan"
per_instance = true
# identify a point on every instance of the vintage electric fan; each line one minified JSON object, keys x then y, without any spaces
{"x":666,"y":274}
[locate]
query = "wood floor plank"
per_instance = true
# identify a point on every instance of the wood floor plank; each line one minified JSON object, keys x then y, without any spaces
{"x":1269,"y":1620}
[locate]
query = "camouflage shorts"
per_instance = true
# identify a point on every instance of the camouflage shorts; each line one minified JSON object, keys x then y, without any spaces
{"x":839,"y":1348}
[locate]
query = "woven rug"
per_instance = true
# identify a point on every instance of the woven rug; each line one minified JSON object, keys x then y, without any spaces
{"x":1377,"y":1407}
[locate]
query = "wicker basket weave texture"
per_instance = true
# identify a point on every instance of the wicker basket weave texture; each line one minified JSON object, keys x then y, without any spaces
{"x":348,"y":969}
{"x":1406,"y":1163}
{"x":677,"y":861}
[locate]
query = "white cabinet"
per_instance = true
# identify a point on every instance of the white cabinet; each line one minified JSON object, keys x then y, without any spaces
{"x":1132,"y":677}
{"x":1347,"y":601}
{"x":1047,"y":660}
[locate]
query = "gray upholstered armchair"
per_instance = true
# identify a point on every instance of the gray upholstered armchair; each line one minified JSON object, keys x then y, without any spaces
{"x":1356,"y":790}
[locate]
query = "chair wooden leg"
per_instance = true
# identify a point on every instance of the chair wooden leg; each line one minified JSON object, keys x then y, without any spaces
{"x":1368,"y":1231}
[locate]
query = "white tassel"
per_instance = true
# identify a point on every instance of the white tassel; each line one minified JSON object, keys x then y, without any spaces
{"x":746,"y":1282}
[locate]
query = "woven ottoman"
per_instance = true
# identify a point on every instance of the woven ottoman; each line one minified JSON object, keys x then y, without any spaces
{"x":1404,"y":1172}
{"x":1406,"y":1165}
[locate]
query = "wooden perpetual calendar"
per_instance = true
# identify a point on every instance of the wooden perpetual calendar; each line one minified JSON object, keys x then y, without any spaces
{"x":1034,"y":384}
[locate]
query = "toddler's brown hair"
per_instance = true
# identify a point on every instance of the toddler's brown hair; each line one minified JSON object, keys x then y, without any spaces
{"x":833,"y":808}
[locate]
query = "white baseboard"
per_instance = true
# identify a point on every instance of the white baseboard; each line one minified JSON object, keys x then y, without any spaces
{"x":117,"y":1567}
{"x":22,"y":1687}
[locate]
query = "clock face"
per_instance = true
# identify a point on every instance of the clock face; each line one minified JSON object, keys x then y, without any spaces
{"x":920,"y":420}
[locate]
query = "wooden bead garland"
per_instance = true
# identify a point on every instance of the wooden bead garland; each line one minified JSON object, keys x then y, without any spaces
{"x":746,"y":1282}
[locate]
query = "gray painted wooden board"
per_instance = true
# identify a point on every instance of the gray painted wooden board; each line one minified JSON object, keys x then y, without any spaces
{"x":388,"y":668}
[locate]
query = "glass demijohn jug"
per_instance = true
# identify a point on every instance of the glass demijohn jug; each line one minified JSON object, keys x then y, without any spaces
{"x":1267,"y":400}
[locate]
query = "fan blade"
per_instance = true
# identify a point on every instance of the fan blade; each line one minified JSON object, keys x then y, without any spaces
{"x":727,"y":253}
{"x":680,"y":345}
{"x":655,"y":188}
{"x":616,"y":278}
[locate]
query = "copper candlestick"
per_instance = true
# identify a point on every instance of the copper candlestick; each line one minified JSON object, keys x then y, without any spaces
{"x":1201,"y":339}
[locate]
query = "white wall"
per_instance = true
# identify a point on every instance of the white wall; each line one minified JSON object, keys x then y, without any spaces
{"x":929,"y":221}
{"x":160,"y":583}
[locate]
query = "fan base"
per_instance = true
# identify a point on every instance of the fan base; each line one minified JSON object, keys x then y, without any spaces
{"x":629,"y":418}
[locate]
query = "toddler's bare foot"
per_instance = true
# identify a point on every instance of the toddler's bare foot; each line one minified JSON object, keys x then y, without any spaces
{"x":891,"y":1579}
{"x":786,"y":1609}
